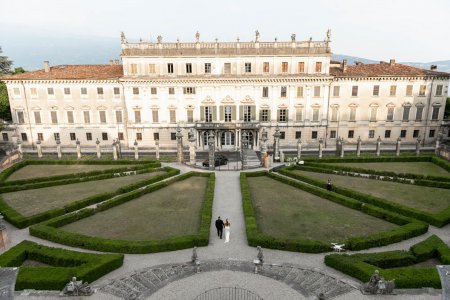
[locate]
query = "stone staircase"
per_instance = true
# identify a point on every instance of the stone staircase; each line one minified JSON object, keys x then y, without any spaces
{"x":143,"y":283}
{"x":252,"y":158}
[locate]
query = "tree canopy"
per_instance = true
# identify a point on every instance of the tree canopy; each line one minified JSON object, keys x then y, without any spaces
{"x":5,"y":63}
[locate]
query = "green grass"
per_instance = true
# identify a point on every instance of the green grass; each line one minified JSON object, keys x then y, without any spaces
{"x":422,"y":168}
{"x":35,"y":201}
{"x":428,"y":199}
{"x":37,"y":171}
{"x":169,"y":212}
{"x":284,"y":211}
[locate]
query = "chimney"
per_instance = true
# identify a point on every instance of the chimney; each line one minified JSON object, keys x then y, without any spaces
{"x":392,"y":62}
{"x":116,"y":61}
{"x":433,"y":67}
{"x":344,"y":65}
{"x":110,"y":61}
{"x":46,"y":66}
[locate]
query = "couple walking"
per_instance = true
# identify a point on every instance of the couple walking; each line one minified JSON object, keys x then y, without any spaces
{"x":220,"y":225}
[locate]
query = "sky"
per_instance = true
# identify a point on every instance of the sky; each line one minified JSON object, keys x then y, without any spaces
{"x":407,"y":30}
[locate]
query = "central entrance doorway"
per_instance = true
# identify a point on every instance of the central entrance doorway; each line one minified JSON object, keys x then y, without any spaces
{"x":249,"y":136}
{"x":227,"y":140}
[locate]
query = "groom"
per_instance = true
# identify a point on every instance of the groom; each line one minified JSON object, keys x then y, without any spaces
{"x":219,"y":226}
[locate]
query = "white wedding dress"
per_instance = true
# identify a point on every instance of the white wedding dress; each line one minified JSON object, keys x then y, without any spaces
{"x":227,"y":234}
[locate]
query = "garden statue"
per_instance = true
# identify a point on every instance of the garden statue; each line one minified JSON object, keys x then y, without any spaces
{"x":377,"y":285}
{"x":77,"y":288}
{"x":260,"y":255}
{"x":194,"y":256}
{"x":371,"y":287}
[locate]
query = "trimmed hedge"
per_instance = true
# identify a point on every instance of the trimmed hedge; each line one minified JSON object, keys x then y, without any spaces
{"x":64,"y":264}
{"x":49,"y":230}
{"x":20,"y":221}
{"x":362,"y":266}
{"x":408,"y":227}
{"x":440,"y":219}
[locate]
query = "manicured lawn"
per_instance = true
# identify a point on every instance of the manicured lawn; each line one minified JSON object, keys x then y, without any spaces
{"x":36,"y":171}
{"x":169,"y":212}
{"x":31,"y":202}
{"x":428,"y":199}
{"x":423,"y":168}
{"x":287,"y":212}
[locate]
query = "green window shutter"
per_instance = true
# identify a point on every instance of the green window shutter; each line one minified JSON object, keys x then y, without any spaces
{"x":221,"y":113}
{"x":253,"y":108}
{"x":214,"y":113}
{"x":202,"y":113}
{"x":260,"y":115}
{"x":278,"y":114}
{"x":287,"y":115}
{"x":268,"y":115}
{"x":241,"y":112}
{"x":233,"y":112}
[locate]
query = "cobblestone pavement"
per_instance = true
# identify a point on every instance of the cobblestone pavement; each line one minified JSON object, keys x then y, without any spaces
{"x":227,"y":204}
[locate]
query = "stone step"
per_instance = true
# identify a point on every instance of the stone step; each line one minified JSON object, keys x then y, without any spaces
{"x":111,"y":289}
{"x":310,"y":280}
{"x":148,"y":274}
{"x":160,"y":274}
{"x":340,"y":289}
{"x":128,"y":290}
{"x":135,"y":285}
{"x":143,"y":280}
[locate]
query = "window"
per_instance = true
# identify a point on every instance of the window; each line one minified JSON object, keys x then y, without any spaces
{"x":88,"y":136}
{"x":50,"y":91}
{"x":334,"y":114}
{"x":120,"y":136}
{"x":390,"y":114}
{"x":5,"y":136}
{"x":371,"y":134}
{"x":439,"y":90}
{"x":314,"y":134}
{"x":54,"y":117}
{"x":135,"y":91}
{"x":248,"y":67}
{"x":171,"y":91}
{"x":283,"y":91}
{"x":352,"y":114}
{"x":66,"y":91}
{"x":406,"y":110}
{"x":376,"y":90}
{"x":100,"y":91}
{"x":227,"y":116}
{"x":153,"y":91}
{"x":173,"y":116}
{"x":264,"y":115}
{"x":336,"y":91}
{"x":170,"y":68}
{"x":409,"y":90}
{"x":102,"y":115}
{"x":387,"y":134}
{"x":173,"y":136}
{"x":87,"y":117}
{"x":351,"y":133}
{"x":190,"y":115}
{"x":265,"y":92}
{"x":298,"y":135}
{"x":299,"y":114}
{"x":282,"y":135}
{"x":137,"y":116}
{"x":299,"y":92}
{"x":70,"y":117}
{"x":422,"y":90}
{"x":189,"y":90}
{"x":301,"y":67}
{"x":227,"y":68}
{"x":315,"y":114}
{"x":24,"y":136}
{"x":119,"y":118}
{"x":41,"y":136}
{"x":138,"y":136}
{"x":16,"y":91}
{"x":156,"y":136}
{"x":284,"y":67}
{"x":419,"y":111}
{"x":247,"y":113}
{"x":282,"y":115}
{"x":318,"y":67}
{"x":83,"y":91}
{"x":332,"y":134}
{"x":416,"y":133}
{"x":208,"y":113}
{"x":151,"y":68}
{"x":37,"y":117}
{"x":266,"y":67}
{"x":188,"y":68}
{"x":373,"y":114}
{"x":116,"y":91}
{"x":355,"y":91}
{"x":403,"y":133}
{"x":133,"y":68}
{"x":73,"y":137}
{"x":317,"y":91}
{"x":435,"y":113}
{"x":393,"y":91}
{"x":104,"y":136}
{"x":21,"y":117}
{"x":431,"y":133}
{"x":33,"y":92}
{"x":155,"y":116}
{"x":207,"y":68}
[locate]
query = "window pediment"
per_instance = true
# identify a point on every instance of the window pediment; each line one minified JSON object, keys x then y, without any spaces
{"x":69,"y":108}
{"x":374,"y":105}
{"x":227,"y":99}
{"x":208,"y":100}
{"x":315,"y":105}
{"x":353,"y":105}
{"x":420,"y":104}
{"x":102,"y":107}
{"x":85,"y":107}
{"x":407,"y":104}
{"x":391,"y":104}
{"x":247,"y":100}
{"x":35,"y":108}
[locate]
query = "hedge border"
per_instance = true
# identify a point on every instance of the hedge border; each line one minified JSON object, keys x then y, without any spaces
{"x":49,"y":230}
{"x":361,"y":266}
{"x":64,"y":264}
{"x":439,"y":220}
{"x":408,"y":227}
{"x":20,"y":221}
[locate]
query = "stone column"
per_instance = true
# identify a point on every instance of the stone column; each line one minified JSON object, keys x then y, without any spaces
{"x":320,"y":147}
{"x":276,"y":144}
{"x":136,"y":150}
{"x":263,"y":143}
{"x":39,"y":149}
{"x":192,"y":154}
{"x":342,"y":148}
{"x":299,"y":148}
{"x":58,"y":148}
{"x":114,"y":150}
{"x":99,"y":152}
{"x":397,"y":146}
{"x":358,"y":147}
{"x":338,"y":146}
{"x":157,"y":149}
{"x":78,"y":149}
{"x":418,"y":146}
{"x":19,"y":147}
{"x":244,"y":153}
{"x":378,"y":146}
{"x":438,"y":143}
{"x":180,"y":156}
{"x":211,"y":143}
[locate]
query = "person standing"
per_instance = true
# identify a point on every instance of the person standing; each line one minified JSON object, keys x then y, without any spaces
{"x":219,"y":226}
{"x":227,"y":231}
{"x":329,"y":185}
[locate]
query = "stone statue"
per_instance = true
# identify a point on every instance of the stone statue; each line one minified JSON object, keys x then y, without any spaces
{"x":371,"y":287}
{"x":159,"y":39}
{"x":256,"y":36}
{"x":386,"y":287}
{"x":194,"y":256}
{"x":377,"y":285}
{"x":293,"y":37}
{"x":260,"y":255}
{"x":123,"y":39}
{"x":197,"y":36}
{"x":328,"y":34}
{"x":77,"y":288}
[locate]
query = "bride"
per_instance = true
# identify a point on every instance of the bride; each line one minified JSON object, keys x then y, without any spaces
{"x":227,"y":231}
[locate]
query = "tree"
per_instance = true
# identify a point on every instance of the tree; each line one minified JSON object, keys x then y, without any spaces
{"x":447,"y":109}
{"x":19,"y":70}
{"x":5,"y":64}
{"x":5,"y":68}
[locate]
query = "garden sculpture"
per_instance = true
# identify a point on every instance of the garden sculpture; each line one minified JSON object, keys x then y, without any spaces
{"x":77,"y":288}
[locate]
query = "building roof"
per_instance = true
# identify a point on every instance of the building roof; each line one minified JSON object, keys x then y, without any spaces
{"x":382,"y":69}
{"x":80,"y":72}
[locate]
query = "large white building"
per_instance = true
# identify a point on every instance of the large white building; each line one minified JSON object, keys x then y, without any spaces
{"x":233,"y":89}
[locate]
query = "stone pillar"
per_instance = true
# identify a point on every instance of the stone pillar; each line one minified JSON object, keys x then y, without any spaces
{"x":342,"y":148}
{"x":299,"y":148}
{"x":378,"y":146}
{"x":263,"y":143}
{"x":418,"y":146}
{"x":78,"y":149}
{"x":244,"y":153}
{"x":157,"y":149}
{"x":192,"y":154}
{"x":358,"y":147}
{"x":180,"y":156}
{"x":99,"y":152}
{"x":438,"y":143}
{"x":338,"y":146}
{"x":397,"y":146}
{"x":211,"y":143}
{"x":19,"y":147}
{"x":276,"y":144}
{"x":114,"y":150}
{"x":136,"y":150}
{"x":320,"y":147}
{"x":58,"y":148}
{"x":39,"y":149}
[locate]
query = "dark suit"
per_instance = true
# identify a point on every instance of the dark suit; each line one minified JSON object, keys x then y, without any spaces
{"x":219,"y":226}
